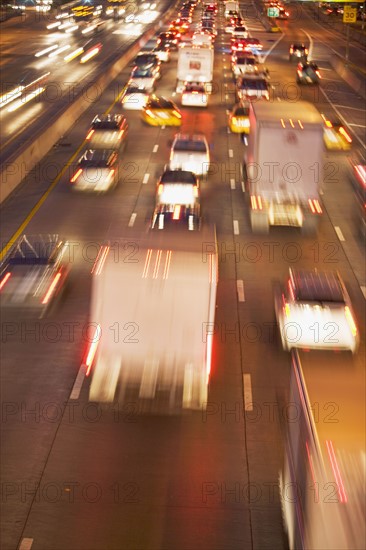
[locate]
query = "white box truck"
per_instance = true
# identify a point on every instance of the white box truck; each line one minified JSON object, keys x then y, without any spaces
{"x":195,"y":64}
{"x":153,"y":309}
{"x":283,"y":165}
{"x":231,"y":8}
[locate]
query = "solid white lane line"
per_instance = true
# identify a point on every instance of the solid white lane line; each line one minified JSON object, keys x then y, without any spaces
{"x":232,"y":183}
{"x":273,"y":46}
{"x":231,"y":153}
{"x":236,"y":227}
{"x":75,"y":392}
{"x":146,"y":178}
{"x":132,"y":219}
{"x":240,"y":290}
{"x":248,"y":397}
{"x":339,"y":233}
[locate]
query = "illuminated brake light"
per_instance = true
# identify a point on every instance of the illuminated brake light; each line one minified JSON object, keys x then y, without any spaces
{"x":361,"y":172}
{"x":121,"y":134}
{"x":178,"y":115}
{"x":287,"y":310}
{"x":350,"y":320}
{"x":328,"y":124}
{"x":5,"y":279}
{"x":160,"y":188}
{"x":51,"y":288}
{"x":76,"y":175}
{"x":317,"y":206}
{"x":344,"y":134}
{"x":90,"y":134}
{"x":336,"y":472}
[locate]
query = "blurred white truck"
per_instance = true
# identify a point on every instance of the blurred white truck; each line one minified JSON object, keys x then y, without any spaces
{"x":230,"y":8}
{"x":283,"y":165}
{"x":195,"y":64}
{"x":153,"y":309}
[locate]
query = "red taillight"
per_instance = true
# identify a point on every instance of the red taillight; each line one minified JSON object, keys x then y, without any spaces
{"x":315,"y":206}
{"x":92,"y":350}
{"x":344,"y":134}
{"x":52,"y":288}
{"x":5,"y":279}
{"x":90,"y":134}
{"x":76,"y":175}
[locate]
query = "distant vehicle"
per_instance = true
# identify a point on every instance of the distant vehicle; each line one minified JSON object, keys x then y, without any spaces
{"x":283,"y":13}
{"x":108,"y":132}
{"x":336,"y":137}
{"x":162,"y":300}
{"x":162,"y":52}
{"x":201,"y":38}
{"x":148,"y":61}
{"x":243,"y":64}
{"x":190,"y":153}
{"x":194,"y":95}
{"x":160,"y":111}
{"x":288,"y":195}
{"x":134,"y":98}
{"x":97,"y":170}
{"x":251,"y":87}
{"x":170,"y":38}
{"x":34,"y":272}
{"x":298,"y":52}
{"x":324,"y":448}
{"x":314,"y":311}
{"x":231,"y":9}
{"x":308,"y":73}
{"x":240,"y":32}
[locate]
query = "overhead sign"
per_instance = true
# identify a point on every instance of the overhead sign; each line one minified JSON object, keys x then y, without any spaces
{"x":273,"y":12}
{"x":349,"y":15}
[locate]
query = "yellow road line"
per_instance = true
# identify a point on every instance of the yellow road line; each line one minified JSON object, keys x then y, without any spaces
{"x":38,"y":205}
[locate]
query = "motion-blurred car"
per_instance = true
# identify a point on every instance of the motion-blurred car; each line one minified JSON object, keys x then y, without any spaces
{"x":251,"y":87}
{"x":298,"y":52}
{"x":162,"y":52}
{"x":283,"y":14}
{"x":194,"y":95}
{"x":108,"y":132}
{"x":358,"y":180}
{"x":202,"y":39}
{"x":314,"y":311}
{"x":34,"y":272}
{"x":97,"y":170}
{"x":239,"y":119}
{"x":177,"y":187}
{"x":335,"y":135}
{"x":244,"y":63}
{"x":308,"y":73}
{"x":148,"y":60}
{"x":238,"y":44}
{"x":176,"y":216}
{"x":134,"y":98}
{"x":190,"y":153}
{"x":240,"y":32}
{"x":171,"y":38}
{"x":160,"y":111}
{"x":143,"y":78}
{"x":253,"y":45}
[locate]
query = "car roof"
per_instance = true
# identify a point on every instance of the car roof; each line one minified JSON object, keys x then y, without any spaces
{"x":161,"y":103}
{"x":98,"y":155}
{"x":314,"y":286}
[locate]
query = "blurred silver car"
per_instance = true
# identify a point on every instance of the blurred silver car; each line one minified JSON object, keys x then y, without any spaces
{"x":97,"y":170}
{"x":190,"y":153}
{"x":108,"y":131}
{"x":134,"y":98}
{"x":34,"y":272}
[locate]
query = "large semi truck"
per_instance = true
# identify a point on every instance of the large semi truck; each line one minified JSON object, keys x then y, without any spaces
{"x":283,"y":165}
{"x":153,"y":309}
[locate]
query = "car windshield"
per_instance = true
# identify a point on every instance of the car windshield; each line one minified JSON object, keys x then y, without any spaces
{"x":106,"y":124}
{"x":254,"y":84}
{"x":178,"y":176}
{"x":145,"y":59}
{"x":142,"y":72}
{"x":96,"y":158}
{"x":161,"y":104}
{"x":245,"y":61}
{"x":310,"y":287}
{"x":190,"y":145}
{"x":241,"y":111}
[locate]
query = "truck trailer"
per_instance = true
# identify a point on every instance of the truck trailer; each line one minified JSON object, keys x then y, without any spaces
{"x":283,"y":165}
{"x":195,"y":64}
{"x":153,"y":309}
